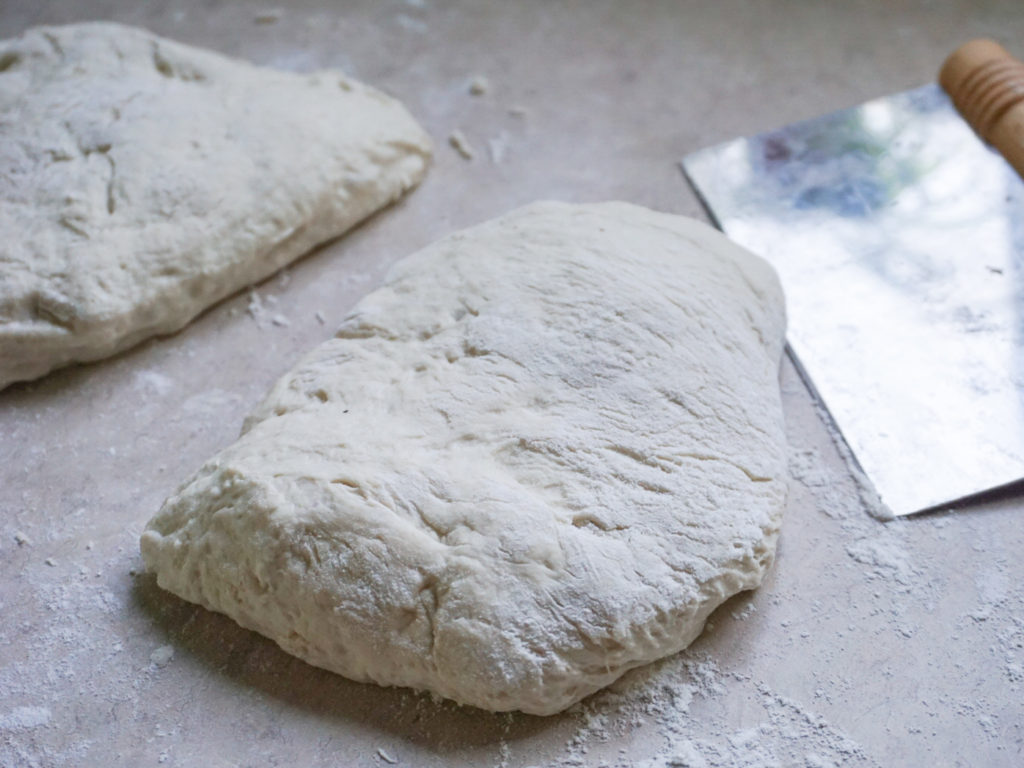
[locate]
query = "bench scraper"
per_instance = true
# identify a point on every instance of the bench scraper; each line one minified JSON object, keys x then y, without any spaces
{"x":899,"y":238}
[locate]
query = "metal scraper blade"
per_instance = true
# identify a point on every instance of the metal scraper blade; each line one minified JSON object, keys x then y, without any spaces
{"x":899,"y":239}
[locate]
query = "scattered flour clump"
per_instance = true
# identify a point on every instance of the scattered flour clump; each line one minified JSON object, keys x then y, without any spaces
{"x":162,"y":656}
{"x":22,"y":718}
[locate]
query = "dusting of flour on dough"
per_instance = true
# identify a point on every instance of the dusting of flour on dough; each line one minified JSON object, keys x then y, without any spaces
{"x":536,"y":458}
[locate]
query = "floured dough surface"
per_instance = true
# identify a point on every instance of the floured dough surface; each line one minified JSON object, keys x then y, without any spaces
{"x":541,"y":454}
{"x":142,"y":180}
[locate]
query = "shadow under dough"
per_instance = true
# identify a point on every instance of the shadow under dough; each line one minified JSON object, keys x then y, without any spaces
{"x":252,"y":661}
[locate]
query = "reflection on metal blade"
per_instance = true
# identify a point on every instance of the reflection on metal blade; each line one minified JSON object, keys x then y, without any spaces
{"x":899,"y":238}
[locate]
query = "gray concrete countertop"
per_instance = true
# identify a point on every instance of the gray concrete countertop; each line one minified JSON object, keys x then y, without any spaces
{"x":870,"y":644}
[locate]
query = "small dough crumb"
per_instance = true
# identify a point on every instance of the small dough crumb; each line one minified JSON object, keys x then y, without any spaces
{"x":22,"y":539}
{"x":255,"y":308}
{"x":479,"y":85}
{"x":162,"y":656}
{"x":461,"y":144}
{"x":269,"y":16}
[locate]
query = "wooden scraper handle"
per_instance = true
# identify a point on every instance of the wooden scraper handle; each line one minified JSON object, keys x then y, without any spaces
{"x":986,"y":84}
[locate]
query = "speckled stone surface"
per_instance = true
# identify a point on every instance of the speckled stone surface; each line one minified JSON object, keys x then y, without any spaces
{"x":870,"y":644}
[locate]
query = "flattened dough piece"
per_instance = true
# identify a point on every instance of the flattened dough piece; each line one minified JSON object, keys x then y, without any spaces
{"x":142,"y":180}
{"x":541,"y":454}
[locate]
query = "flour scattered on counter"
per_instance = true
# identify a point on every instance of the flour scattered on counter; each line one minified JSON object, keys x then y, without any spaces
{"x":780,"y":731}
{"x":887,"y":559}
{"x":993,"y":590}
{"x":405,"y":21}
{"x":461,"y":144}
{"x":808,"y":468}
{"x":357,"y":278}
{"x":255,"y":308}
{"x":745,"y":612}
{"x":21,"y":718}
{"x":261,"y":308}
{"x":870,"y":501}
{"x":153,"y":382}
{"x":878,"y":546}
{"x":992,"y":585}
{"x":504,"y":753}
{"x":498,"y":146}
{"x":209,"y":402}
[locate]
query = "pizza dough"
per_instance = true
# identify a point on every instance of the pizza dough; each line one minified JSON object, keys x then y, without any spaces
{"x":541,"y":454}
{"x":142,"y":180}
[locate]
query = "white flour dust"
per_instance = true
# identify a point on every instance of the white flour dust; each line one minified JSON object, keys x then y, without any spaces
{"x":882,"y":548}
{"x":24,"y":717}
{"x":660,"y":704}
